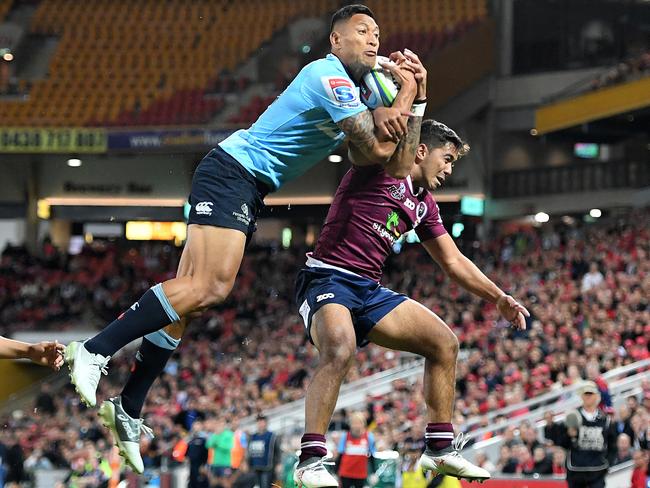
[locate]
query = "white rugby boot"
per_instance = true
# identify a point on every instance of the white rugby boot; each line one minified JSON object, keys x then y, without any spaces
{"x":312,"y":473}
{"x":449,"y":462}
{"x":86,"y":370}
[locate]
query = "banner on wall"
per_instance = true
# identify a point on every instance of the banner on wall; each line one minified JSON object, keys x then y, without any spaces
{"x":55,"y":140}
{"x":166,"y":139}
{"x":99,"y":140}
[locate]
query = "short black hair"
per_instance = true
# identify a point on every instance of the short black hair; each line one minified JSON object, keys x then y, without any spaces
{"x":436,"y":134}
{"x":344,"y":13}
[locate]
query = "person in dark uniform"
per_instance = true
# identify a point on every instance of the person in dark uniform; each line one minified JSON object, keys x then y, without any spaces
{"x":590,"y":437}
{"x":263,"y":453}
{"x":197,"y":454}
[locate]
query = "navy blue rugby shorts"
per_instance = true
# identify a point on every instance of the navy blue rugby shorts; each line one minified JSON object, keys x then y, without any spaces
{"x":225,"y":194}
{"x":367,"y":301}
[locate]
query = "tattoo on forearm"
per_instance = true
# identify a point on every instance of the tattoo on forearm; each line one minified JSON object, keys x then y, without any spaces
{"x":360,"y":130}
{"x":409,"y":144}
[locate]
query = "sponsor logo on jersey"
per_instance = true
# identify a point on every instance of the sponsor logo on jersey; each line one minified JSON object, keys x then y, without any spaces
{"x":341,"y":91}
{"x":324,"y":296}
{"x":392,"y":222}
{"x":204,"y":208}
{"x":397,"y":192}
{"x":381,"y":230}
{"x":410,"y":204}
{"x":244,"y":216}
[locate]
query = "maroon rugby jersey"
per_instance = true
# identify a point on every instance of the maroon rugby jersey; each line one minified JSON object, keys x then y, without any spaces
{"x":370,"y":211}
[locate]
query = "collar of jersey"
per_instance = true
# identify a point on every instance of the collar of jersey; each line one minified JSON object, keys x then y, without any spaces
{"x":410,"y":184}
{"x":334,"y":57}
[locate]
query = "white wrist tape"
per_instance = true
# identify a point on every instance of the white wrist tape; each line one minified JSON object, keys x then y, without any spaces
{"x":418,"y":109}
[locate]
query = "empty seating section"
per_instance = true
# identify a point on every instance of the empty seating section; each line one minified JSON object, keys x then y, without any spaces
{"x":424,"y":25}
{"x":5,"y":6}
{"x":420,"y":25}
{"x":150,"y":62}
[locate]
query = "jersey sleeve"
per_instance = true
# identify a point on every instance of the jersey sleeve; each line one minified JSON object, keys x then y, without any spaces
{"x":333,"y":91}
{"x":431,"y":225}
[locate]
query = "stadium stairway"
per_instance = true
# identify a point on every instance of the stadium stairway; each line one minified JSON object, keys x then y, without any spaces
{"x":32,"y":53}
{"x":242,"y":99}
{"x":256,"y":67}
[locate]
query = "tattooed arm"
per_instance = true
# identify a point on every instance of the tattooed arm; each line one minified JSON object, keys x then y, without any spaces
{"x":364,"y":146}
{"x":400,"y":162}
{"x":374,"y":137}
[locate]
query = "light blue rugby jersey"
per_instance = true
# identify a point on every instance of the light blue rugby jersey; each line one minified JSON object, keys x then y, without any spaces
{"x":299,"y":128}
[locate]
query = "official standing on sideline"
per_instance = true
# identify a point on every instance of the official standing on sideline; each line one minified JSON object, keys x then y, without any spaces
{"x":590,"y":438}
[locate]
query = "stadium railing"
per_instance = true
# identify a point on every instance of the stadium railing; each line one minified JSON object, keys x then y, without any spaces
{"x":288,"y":417}
{"x":554,"y":398}
{"x":622,"y":383}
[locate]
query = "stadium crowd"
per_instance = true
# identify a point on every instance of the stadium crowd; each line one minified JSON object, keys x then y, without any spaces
{"x":586,"y":287}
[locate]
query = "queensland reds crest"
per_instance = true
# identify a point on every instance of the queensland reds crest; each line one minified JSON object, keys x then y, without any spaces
{"x":397,"y":192}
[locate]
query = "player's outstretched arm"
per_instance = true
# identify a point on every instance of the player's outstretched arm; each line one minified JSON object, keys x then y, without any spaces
{"x":464,"y":272}
{"x":43,"y":353}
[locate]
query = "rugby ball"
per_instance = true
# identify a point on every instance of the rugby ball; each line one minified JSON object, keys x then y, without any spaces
{"x":378,"y":87}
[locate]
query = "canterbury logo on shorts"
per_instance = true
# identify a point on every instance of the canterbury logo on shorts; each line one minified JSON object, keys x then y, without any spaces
{"x":324,"y":296}
{"x":204,"y":208}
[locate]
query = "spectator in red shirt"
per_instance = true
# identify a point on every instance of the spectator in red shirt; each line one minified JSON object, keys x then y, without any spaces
{"x":640,"y":473}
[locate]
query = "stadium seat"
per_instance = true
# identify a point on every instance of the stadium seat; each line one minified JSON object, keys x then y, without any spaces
{"x":145,"y":54}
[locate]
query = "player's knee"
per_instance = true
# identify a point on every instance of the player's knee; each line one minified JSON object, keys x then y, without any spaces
{"x":340,"y":357}
{"x":209,"y":294}
{"x":453,"y":344}
{"x":444,"y":349}
{"x":450,"y":347}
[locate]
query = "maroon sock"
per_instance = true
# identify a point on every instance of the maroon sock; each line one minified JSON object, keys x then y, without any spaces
{"x":438,"y":436}
{"x":312,"y":445}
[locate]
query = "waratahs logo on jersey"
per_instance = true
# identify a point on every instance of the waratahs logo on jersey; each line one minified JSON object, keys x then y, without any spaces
{"x":341,"y":91}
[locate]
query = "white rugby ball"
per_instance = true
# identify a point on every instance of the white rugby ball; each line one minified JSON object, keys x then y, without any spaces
{"x":378,"y":87}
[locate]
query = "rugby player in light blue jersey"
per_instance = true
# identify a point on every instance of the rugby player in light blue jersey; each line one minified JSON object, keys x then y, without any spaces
{"x":308,"y":121}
